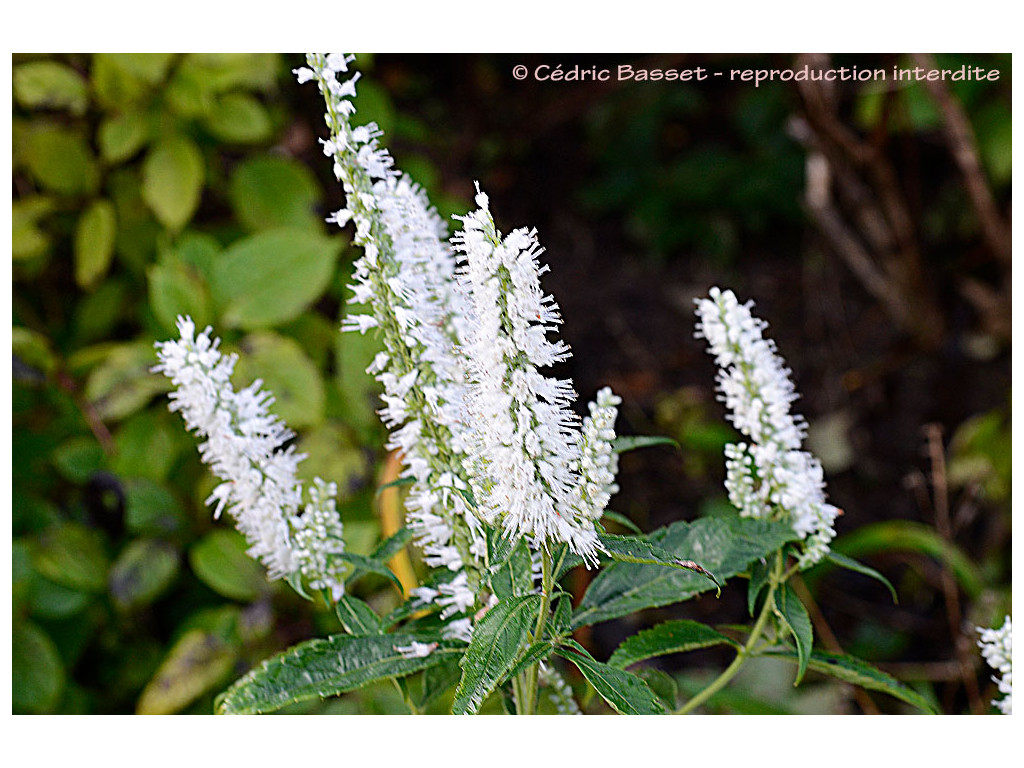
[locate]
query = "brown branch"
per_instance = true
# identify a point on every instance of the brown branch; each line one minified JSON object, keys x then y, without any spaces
{"x":940,"y":494}
{"x":963,"y":146}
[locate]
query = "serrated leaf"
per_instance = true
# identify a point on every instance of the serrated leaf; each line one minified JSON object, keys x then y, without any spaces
{"x":271,"y":277}
{"x":626,"y":693}
{"x":438,"y":680}
{"x":274,"y":191}
{"x":50,"y":85}
{"x":534,"y":654}
{"x":515,"y":574}
{"x":327,"y":667}
{"x":219,"y":560}
{"x":365,"y":564}
{"x":758,"y":579}
{"x":356,"y":616}
{"x":497,"y":642}
{"x":853,"y":670}
{"x":622,"y":444}
{"x":676,"y":636}
{"x":94,"y":242}
{"x":795,"y":618}
{"x":392,"y":545}
{"x":626,"y":549}
{"x":286,"y":371}
{"x":197,"y":663}
{"x":853,"y":565}
{"x":144,"y":570}
{"x":622,"y":520}
{"x":723,"y":545}
{"x":173,"y":175}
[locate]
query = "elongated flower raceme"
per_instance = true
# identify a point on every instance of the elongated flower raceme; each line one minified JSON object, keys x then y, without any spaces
{"x":526,"y":449}
{"x":769,"y":477}
{"x":243,"y":447}
{"x":996,"y":649}
{"x":406,"y":278}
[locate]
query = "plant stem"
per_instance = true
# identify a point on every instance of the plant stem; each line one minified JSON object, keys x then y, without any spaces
{"x":775,"y":580}
{"x":529,"y":676}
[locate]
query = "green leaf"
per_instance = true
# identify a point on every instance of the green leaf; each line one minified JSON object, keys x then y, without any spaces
{"x":850,"y":564}
{"x":662,"y":685}
{"x":219,"y":560}
{"x":394,"y":484}
{"x":148,"y":445}
{"x":121,"y":136}
{"x":78,"y":458}
{"x":274,"y":191}
{"x":853,"y":670}
{"x":626,"y":693}
{"x":906,"y":535}
{"x":327,"y":667}
{"x":73,"y":556}
{"x":622,"y":520}
{"x":238,"y":118}
{"x":515,"y":574}
{"x":534,"y":654}
{"x":392,"y":545}
{"x":176,"y":289}
{"x":273,"y":276}
{"x":676,"y":636}
{"x":286,"y":371}
{"x":50,"y":85}
{"x":723,"y":545}
{"x":123,"y":382}
{"x":144,"y":570}
{"x":61,"y":161}
{"x":438,"y":680}
{"x":758,"y":581}
{"x":52,"y":601}
{"x":37,"y":676}
{"x":497,"y":641}
{"x":626,"y":549}
{"x":94,"y":242}
{"x":794,"y":617}
{"x":173,"y":175}
{"x":622,"y":444}
{"x":197,"y":663}
{"x":357,"y":617}
{"x":27,"y":239}
{"x":152,"y":509}
{"x":369,"y":565}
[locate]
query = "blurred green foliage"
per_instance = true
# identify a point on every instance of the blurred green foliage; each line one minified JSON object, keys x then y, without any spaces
{"x":148,"y":186}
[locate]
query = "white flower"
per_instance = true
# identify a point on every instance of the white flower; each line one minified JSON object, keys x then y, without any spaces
{"x":770,"y":477}
{"x":524,"y":440}
{"x":415,"y":650}
{"x":406,"y":277}
{"x":242,"y":446}
{"x":996,"y":649}
{"x":599,"y":463}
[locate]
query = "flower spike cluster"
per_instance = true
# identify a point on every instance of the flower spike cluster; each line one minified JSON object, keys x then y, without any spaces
{"x":526,"y":443}
{"x":242,"y":446}
{"x":996,"y":649}
{"x":769,"y":477}
{"x":405,"y":278}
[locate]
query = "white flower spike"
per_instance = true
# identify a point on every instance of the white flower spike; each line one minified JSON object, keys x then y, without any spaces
{"x":770,"y":477}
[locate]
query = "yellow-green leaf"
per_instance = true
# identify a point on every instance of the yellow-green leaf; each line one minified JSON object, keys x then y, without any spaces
{"x":172,"y":181}
{"x":94,"y":242}
{"x":50,"y":85}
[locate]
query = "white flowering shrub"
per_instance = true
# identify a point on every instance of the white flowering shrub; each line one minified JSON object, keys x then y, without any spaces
{"x":506,"y":486}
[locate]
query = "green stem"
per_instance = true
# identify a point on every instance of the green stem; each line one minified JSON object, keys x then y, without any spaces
{"x":775,"y":580}
{"x":528,"y":681}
